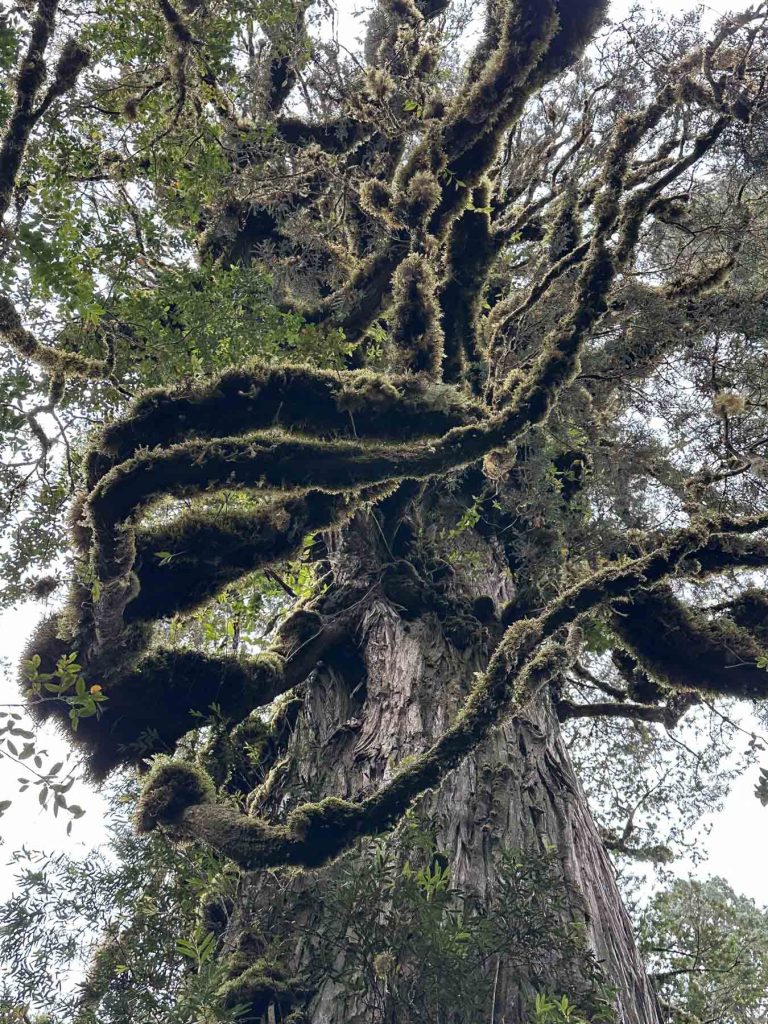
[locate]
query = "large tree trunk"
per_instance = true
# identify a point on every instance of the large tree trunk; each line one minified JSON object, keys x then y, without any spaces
{"x":388,"y":694}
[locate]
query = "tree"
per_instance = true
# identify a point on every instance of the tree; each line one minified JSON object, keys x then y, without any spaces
{"x":483,"y":344}
{"x":707,"y":946}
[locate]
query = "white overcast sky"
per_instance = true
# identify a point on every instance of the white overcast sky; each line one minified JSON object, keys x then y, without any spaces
{"x":736,"y":844}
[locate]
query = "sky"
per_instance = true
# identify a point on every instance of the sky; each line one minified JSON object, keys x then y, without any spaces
{"x":736,"y":844}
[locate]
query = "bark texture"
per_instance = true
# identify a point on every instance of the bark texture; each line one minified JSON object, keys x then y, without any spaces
{"x":387,"y":694}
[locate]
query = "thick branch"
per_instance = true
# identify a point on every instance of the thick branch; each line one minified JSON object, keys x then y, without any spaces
{"x":687,"y":650}
{"x":524,"y":662}
{"x":297,"y":398}
{"x":170,"y":691}
{"x":29,"y":80}
{"x":191,"y":561}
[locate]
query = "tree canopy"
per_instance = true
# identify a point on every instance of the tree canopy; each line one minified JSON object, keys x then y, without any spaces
{"x":258,"y":286}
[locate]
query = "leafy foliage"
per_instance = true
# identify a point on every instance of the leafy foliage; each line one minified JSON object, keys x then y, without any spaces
{"x":115,"y":935}
{"x":708,"y":950}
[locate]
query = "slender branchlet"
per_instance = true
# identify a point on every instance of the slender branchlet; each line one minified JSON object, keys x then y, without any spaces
{"x":55,"y":361}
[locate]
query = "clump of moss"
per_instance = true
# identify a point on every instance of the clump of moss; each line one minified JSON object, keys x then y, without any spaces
{"x":170,"y":788}
{"x":366,"y":390}
{"x":301,"y":627}
{"x":416,"y":329}
{"x":325,"y":827}
{"x":422,"y":195}
{"x":263,"y":985}
{"x":376,"y":200}
{"x":728,"y":403}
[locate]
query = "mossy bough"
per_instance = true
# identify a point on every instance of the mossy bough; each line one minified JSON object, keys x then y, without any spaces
{"x":154,"y":697}
{"x":524,"y":661}
{"x":294,"y":398}
{"x":169,"y":788}
{"x":688,"y":650}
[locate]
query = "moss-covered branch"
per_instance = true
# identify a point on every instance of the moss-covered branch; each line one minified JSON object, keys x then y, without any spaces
{"x":524,"y":661}
{"x":297,"y":398}
{"x":55,"y":361}
{"x":537,"y":40}
{"x":534,"y":40}
{"x":155,"y":697}
{"x":471,"y":249}
{"x":29,"y":81}
{"x":687,"y":649}
{"x":190,"y":561}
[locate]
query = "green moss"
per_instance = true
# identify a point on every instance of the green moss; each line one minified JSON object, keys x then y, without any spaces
{"x":169,"y":789}
{"x":685,"y":649}
{"x":422,"y":195}
{"x":260,"y":986}
{"x":415,"y":319}
{"x":322,"y":823}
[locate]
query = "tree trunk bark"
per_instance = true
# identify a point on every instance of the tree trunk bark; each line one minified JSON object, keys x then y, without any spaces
{"x":386,"y":695}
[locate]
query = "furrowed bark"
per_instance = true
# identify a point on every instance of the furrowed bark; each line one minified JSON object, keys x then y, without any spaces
{"x":376,"y":702}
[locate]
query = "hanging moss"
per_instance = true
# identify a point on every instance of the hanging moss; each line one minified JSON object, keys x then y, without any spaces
{"x":640,"y":686}
{"x":149,"y":709}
